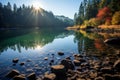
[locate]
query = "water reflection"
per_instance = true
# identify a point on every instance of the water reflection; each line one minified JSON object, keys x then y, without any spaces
{"x":30,"y":40}
{"x":94,"y":43}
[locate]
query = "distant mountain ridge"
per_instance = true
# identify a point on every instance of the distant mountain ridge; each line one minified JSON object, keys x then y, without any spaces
{"x":65,"y":19}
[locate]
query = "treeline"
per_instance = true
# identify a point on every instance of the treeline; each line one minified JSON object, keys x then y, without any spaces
{"x":97,"y":12}
{"x":26,"y":17}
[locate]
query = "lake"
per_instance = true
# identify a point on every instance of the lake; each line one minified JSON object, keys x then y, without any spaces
{"x":33,"y":46}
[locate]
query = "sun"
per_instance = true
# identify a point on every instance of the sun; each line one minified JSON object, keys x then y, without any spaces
{"x":38,"y":47}
{"x":37,"y":5}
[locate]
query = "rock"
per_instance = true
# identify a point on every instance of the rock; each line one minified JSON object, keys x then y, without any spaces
{"x":58,"y":69}
{"x":79,"y":69}
{"x":117,"y":65}
{"x":19,"y":77}
{"x":60,"y":53}
{"x":31,"y":76}
{"x":116,"y":77}
{"x":68,"y":58}
{"x":68,"y":64}
{"x":52,"y":61}
{"x":13,"y":73}
{"x":29,"y":60}
{"x":107,"y":70}
{"x":112,"y":77}
{"x":77,"y":62}
{"x":99,"y":78}
{"x":15,"y":60}
{"x":50,"y":76}
{"x":82,"y":60}
{"x":29,"y":70}
{"x":22,"y":63}
{"x":46,"y":58}
{"x":108,"y":77}
{"x":79,"y":55}
{"x":112,"y":41}
{"x":93,"y":75}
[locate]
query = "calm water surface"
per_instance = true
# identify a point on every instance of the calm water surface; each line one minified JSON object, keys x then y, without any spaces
{"x":35,"y":45}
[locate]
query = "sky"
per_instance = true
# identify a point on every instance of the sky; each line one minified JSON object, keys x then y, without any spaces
{"x":58,"y":7}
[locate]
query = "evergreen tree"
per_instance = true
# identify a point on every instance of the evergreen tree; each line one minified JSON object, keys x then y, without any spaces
{"x":15,"y":8}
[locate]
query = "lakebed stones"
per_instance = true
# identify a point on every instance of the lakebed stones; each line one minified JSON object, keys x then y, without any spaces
{"x":12,"y":73}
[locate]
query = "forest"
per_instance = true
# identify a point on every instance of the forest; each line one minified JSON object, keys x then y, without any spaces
{"x":98,"y":12}
{"x":28,"y":17}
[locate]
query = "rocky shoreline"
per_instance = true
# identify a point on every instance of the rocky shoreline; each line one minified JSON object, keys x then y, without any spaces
{"x":76,"y":67}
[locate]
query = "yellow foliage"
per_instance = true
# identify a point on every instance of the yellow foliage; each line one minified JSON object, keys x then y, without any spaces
{"x":116,"y":18}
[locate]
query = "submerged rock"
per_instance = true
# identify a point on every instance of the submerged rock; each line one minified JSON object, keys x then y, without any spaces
{"x":22,"y":63}
{"x":15,"y":60}
{"x":31,"y":76}
{"x":60,"y":53}
{"x":12,"y":73}
{"x":29,"y":60}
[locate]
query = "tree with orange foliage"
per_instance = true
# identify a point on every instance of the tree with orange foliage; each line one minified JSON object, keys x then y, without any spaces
{"x":105,"y":15}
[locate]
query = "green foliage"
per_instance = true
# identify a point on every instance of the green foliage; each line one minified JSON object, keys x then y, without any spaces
{"x":116,"y":18}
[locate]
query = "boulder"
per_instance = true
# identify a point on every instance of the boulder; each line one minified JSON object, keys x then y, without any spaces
{"x":31,"y":76}
{"x":19,"y":77}
{"x":68,"y":64}
{"x":58,"y":70}
{"x":50,"y":76}
{"x":15,"y":60}
{"x":12,"y":73}
{"x":60,"y":53}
